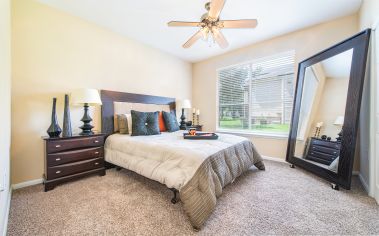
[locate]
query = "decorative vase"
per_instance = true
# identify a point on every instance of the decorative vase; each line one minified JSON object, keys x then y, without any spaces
{"x":54,"y":129}
{"x":67,"y":130}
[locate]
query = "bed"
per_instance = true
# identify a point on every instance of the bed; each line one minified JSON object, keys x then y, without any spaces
{"x":196,"y":169}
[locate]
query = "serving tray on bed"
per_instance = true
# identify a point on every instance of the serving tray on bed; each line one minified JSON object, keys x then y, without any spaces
{"x":200,"y":135}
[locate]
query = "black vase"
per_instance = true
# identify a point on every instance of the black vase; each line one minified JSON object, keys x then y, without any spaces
{"x":54,"y":129}
{"x":67,"y":130}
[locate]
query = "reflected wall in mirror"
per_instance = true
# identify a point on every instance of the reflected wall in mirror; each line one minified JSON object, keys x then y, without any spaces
{"x":327,"y":103}
{"x":322,"y":110}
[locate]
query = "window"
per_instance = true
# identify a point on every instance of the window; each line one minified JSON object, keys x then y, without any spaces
{"x":257,"y":96}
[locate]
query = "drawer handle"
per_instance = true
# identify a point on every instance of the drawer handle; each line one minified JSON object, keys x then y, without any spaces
{"x":57,"y":159}
{"x":96,"y":152}
{"x":58,"y":146}
{"x":96,"y":141}
{"x":96,"y":163}
{"x":57,"y":172}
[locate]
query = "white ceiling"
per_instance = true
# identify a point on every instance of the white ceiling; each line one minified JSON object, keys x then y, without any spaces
{"x":146,"y":20}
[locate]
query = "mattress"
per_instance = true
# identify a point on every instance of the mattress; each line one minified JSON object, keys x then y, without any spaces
{"x":166,"y":158}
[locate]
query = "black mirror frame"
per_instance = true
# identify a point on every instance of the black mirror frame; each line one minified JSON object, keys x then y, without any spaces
{"x":360,"y":45}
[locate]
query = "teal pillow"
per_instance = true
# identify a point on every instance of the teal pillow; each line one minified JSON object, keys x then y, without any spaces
{"x":144,"y":123}
{"x":170,"y":121}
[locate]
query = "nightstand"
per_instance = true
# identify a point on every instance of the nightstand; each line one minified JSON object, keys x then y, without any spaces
{"x":322,"y":151}
{"x":70,"y":158}
{"x":197,"y":127}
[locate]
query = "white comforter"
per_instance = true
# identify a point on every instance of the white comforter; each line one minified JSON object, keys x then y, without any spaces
{"x":166,"y":158}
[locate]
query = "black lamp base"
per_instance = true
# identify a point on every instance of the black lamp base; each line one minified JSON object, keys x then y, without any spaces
{"x":86,"y":127}
{"x":340,"y":134}
{"x":183,"y":125}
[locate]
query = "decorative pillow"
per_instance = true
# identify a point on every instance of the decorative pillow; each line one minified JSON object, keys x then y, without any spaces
{"x":130,"y":122}
{"x":162,"y":125}
{"x":170,"y":121}
{"x":122,"y":122}
{"x":145,"y":123}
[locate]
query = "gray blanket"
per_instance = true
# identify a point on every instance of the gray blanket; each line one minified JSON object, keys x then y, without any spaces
{"x":200,"y":193}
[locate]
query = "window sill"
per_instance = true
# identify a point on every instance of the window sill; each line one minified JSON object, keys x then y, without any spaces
{"x":253,"y":134}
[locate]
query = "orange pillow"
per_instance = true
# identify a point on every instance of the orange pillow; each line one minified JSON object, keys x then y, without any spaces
{"x":162,"y":126}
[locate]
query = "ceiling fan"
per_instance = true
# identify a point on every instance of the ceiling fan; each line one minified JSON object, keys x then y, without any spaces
{"x":210,"y":25}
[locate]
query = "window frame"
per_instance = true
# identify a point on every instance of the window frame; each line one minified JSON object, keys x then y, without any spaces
{"x":244,"y":131}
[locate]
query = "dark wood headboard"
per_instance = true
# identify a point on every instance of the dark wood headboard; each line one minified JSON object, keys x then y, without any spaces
{"x":107,"y":109}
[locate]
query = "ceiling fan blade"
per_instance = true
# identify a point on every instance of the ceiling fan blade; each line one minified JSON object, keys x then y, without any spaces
{"x":193,"y":39}
{"x":238,"y":23}
{"x":184,"y":23}
{"x":216,"y":8}
{"x":220,"y":38}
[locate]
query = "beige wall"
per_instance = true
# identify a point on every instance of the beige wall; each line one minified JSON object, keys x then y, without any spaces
{"x":54,"y":53}
{"x":5,"y":105}
{"x":305,"y":42}
{"x":332,"y":104}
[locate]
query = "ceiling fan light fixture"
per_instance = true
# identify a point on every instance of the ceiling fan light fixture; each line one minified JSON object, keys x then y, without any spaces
{"x":210,"y":25}
{"x":205,"y":33}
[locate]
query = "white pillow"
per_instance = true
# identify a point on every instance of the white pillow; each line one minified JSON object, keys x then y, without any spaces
{"x":129,"y":118}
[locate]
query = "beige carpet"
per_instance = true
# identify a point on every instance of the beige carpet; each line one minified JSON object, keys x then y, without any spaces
{"x":279,"y":200}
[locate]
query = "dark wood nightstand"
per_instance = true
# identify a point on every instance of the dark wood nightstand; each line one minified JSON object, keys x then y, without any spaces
{"x":73,"y":157}
{"x":322,"y":151}
{"x":197,"y":127}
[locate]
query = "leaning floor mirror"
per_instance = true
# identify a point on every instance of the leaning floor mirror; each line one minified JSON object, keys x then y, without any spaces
{"x":325,"y":116}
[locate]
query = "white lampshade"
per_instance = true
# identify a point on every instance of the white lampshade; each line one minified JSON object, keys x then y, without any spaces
{"x":339,"y":120}
{"x":186,"y":103}
{"x":82,"y":96}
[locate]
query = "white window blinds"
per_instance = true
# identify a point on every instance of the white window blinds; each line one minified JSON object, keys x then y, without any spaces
{"x":257,"y":96}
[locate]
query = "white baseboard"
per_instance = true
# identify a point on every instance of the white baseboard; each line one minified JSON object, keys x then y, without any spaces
{"x":364,"y":183}
{"x":278,"y":159}
{"x":27,"y":183}
{"x":7,"y":209}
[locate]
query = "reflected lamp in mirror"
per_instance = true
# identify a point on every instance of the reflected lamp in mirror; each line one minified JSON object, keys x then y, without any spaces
{"x":184,"y":104}
{"x":339,"y":122}
{"x":86,"y":97}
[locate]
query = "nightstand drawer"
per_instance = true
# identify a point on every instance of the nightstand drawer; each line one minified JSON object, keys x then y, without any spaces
{"x":326,"y":144}
{"x":331,"y":151}
{"x":75,"y":155}
{"x":319,"y":160}
{"x":54,"y":146}
{"x":73,"y":168}
{"x":321,"y":155}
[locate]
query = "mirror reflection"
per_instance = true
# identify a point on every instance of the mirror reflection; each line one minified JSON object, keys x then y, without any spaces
{"x":319,"y":131}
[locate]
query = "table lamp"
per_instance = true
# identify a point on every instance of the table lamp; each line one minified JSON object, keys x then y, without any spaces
{"x":339,"y":122}
{"x":86,"y":97}
{"x":185,"y":104}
